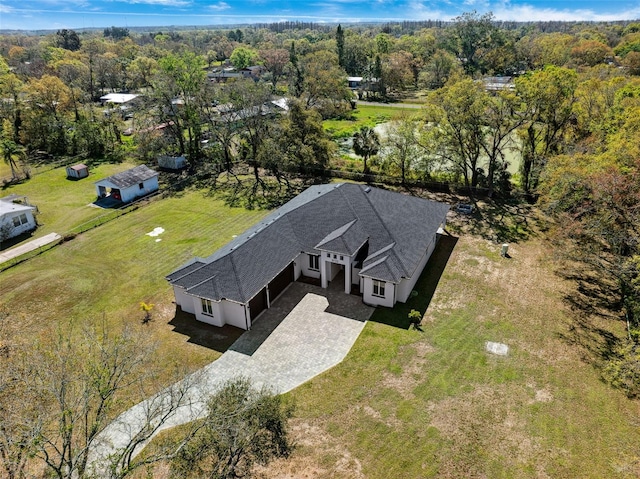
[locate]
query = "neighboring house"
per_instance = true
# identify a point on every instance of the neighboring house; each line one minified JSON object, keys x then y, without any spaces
{"x":354,"y":82}
{"x":498,"y":83}
{"x":374,"y":242}
{"x":118,"y":98}
{"x":128,"y":185}
{"x":281,"y":105}
{"x":124,"y":101}
{"x":222,"y":75}
{"x":76,"y":172}
{"x":253,"y":71}
{"x":16,"y":216}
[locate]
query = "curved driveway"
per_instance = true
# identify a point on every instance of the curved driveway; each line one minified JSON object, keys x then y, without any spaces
{"x":307,"y":331}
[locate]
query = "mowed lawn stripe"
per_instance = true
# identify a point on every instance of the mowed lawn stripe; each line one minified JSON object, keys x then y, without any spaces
{"x":108,"y":271}
{"x":414,"y":404}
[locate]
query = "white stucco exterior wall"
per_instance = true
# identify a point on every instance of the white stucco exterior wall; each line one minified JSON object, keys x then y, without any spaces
{"x":369,"y":298}
{"x":302,"y":261}
{"x":216,"y":318}
{"x":233,"y":314}
{"x":355,"y":279}
{"x":184,"y":300}
{"x":406,"y":285}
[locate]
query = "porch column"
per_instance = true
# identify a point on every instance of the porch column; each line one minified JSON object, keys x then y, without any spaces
{"x":324,"y":282}
{"x":347,"y":278}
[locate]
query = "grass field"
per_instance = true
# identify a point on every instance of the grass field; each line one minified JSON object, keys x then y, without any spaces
{"x":433,"y":403}
{"x":108,"y":271}
{"x":404,"y":403}
{"x":62,"y":203}
{"x":364,"y":115}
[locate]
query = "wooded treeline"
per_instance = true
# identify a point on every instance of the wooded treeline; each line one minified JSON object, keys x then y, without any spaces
{"x":50,"y":88}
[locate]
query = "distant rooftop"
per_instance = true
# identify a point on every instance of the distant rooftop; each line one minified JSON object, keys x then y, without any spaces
{"x":118,"y":98}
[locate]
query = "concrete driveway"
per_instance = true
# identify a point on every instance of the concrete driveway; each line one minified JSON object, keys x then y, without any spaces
{"x":306,"y":331}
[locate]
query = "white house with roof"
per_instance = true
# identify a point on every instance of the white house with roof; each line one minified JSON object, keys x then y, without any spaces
{"x":128,"y":185}
{"x":16,"y":216}
{"x":374,"y":242}
{"x":118,"y":98}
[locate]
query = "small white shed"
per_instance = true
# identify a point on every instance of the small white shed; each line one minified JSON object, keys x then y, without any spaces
{"x":16,"y":216}
{"x":76,"y":172}
{"x":128,"y":185}
{"x":172,"y":162}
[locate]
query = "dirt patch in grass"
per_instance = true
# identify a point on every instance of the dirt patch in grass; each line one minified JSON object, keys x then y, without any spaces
{"x":317,"y":454}
{"x":485,"y":418}
{"x":409,"y":378}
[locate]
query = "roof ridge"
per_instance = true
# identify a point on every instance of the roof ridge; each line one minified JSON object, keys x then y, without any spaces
{"x":375,"y":263}
{"x":190,"y":272}
{"x":235,"y":277}
{"x":366,"y":196}
{"x":210,"y":278}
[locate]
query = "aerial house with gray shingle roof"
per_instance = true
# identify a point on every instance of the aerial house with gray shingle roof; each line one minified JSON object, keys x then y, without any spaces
{"x":128,"y":185}
{"x":375,"y":242}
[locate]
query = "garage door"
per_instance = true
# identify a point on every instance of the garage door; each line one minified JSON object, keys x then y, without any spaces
{"x":280,"y":282}
{"x":258,"y":303}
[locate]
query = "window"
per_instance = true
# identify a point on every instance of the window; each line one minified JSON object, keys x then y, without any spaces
{"x":378,"y":288}
{"x":328,"y":255}
{"x":207,"y":308}
{"x":141,"y":186}
{"x":20,"y":220}
{"x":341,"y":257}
{"x":335,"y":256}
{"x":314,"y":262}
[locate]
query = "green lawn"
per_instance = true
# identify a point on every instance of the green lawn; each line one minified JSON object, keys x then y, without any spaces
{"x":63,"y":204}
{"x":364,"y":115}
{"x":111,"y":269}
{"x":404,"y":403}
{"x":416,"y":404}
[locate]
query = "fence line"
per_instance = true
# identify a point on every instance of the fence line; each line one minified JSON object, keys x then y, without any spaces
{"x":437,"y":186}
{"x":114,"y":213}
{"x":111,"y":215}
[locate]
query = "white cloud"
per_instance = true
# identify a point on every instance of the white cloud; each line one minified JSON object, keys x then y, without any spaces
{"x":163,"y":3}
{"x":506,"y":11}
{"x":218,"y":7}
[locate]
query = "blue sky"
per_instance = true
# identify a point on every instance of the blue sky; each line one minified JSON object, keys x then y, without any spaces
{"x":55,"y":14}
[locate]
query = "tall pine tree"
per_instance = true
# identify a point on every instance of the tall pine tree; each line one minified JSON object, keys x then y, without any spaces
{"x":340,"y":45}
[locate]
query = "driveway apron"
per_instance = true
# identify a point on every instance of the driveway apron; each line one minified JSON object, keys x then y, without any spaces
{"x":306,"y":331}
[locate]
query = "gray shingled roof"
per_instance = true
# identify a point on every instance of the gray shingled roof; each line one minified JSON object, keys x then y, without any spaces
{"x":347,"y":239}
{"x":131,"y":177}
{"x":337,"y":217}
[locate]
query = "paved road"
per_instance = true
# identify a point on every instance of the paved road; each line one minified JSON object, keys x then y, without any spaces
{"x":30,"y":246}
{"x":307,"y":331}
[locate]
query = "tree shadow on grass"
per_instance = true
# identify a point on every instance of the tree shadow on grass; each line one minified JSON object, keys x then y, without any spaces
{"x":398,"y":316}
{"x":249,"y":194}
{"x":203,"y":334}
{"x":593,"y":302}
{"x":509,"y":221}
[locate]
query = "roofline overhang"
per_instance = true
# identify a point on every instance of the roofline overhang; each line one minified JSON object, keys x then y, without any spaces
{"x":380,"y":279}
{"x":346,"y":254}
